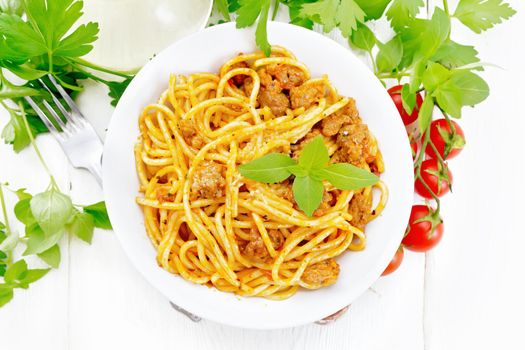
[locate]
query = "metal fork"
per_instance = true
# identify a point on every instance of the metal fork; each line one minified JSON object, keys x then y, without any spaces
{"x":78,"y":139}
{"x":76,"y":136}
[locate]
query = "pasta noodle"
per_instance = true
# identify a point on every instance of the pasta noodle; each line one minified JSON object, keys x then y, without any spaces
{"x":212,"y":226}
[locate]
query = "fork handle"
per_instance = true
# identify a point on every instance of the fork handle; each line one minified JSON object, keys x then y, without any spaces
{"x":96,"y":169}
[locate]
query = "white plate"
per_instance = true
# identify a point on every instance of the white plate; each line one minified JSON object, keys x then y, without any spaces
{"x":206,"y":51}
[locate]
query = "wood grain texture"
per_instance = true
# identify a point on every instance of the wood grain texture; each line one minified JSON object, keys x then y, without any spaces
{"x":468,"y":293}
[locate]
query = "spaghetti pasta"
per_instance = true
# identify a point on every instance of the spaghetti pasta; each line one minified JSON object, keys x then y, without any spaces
{"x":212,"y":226}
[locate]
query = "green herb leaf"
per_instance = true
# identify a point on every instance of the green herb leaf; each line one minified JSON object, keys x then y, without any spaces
{"x":261,"y":35}
{"x":38,"y":241}
{"x":6,"y":294}
{"x":308,"y":193}
{"x":373,"y":9}
{"x":425,"y":113}
{"x":480,"y":15}
{"x":448,"y":97}
{"x":434,"y":76}
{"x":331,"y":13}
{"x":363,"y":38}
{"x":408,"y":98}
{"x":117,"y":88}
{"x":82,"y":226}
{"x":473,"y":88}
{"x":52,"y":210}
{"x":270,"y":168}
{"x":294,"y":10}
{"x":64,"y":14}
{"x":100,"y":215}
{"x":23,"y":212}
{"x":22,"y":41}
{"x":15,"y":272}
{"x":248,"y":12}
{"x":389,"y":55}
{"x":402,"y":12}
{"x":222,"y":6}
{"x":314,"y":154}
{"x":22,"y":194}
{"x":451,"y":54}
{"x":422,"y":37}
{"x":51,"y":256}
{"x":346,"y":176}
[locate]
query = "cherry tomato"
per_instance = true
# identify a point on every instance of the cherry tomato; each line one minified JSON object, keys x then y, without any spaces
{"x":425,"y":229}
{"x":437,"y":176}
{"x":395,"y":262}
{"x":395,"y":94}
{"x":447,"y":143}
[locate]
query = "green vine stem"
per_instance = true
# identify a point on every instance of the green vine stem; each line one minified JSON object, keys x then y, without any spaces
{"x":35,"y":147}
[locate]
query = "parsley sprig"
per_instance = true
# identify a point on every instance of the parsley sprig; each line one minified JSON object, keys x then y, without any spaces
{"x":40,"y":37}
{"x":46,"y":217}
{"x":309,"y":172}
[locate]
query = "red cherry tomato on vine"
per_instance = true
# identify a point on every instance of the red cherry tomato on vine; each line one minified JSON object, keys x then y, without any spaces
{"x":395,"y":94}
{"x":436,"y":176}
{"x":447,"y":142}
{"x":395,"y":262}
{"x":425,"y":229}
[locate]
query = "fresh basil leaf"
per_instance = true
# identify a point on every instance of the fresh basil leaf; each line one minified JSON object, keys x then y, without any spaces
{"x":270,"y":168}
{"x":425,"y":113}
{"x":472,"y":87}
{"x":345,"y":176}
{"x":297,"y":170}
{"x":480,"y":15}
{"x":38,"y":241}
{"x":434,"y":76}
{"x":3,"y":267}
{"x":307,"y":193}
{"x":23,"y":212}
{"x":51,"y":256}
{"x":82,"y":226}
{"x":389,"y":55}
{"x":100,"y":215}
{"x":363,"y":38}
{"x":15,"y":272}
{"x":51,"y":210}
{"x":314,"y":154}
{"x":6,"y":294}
